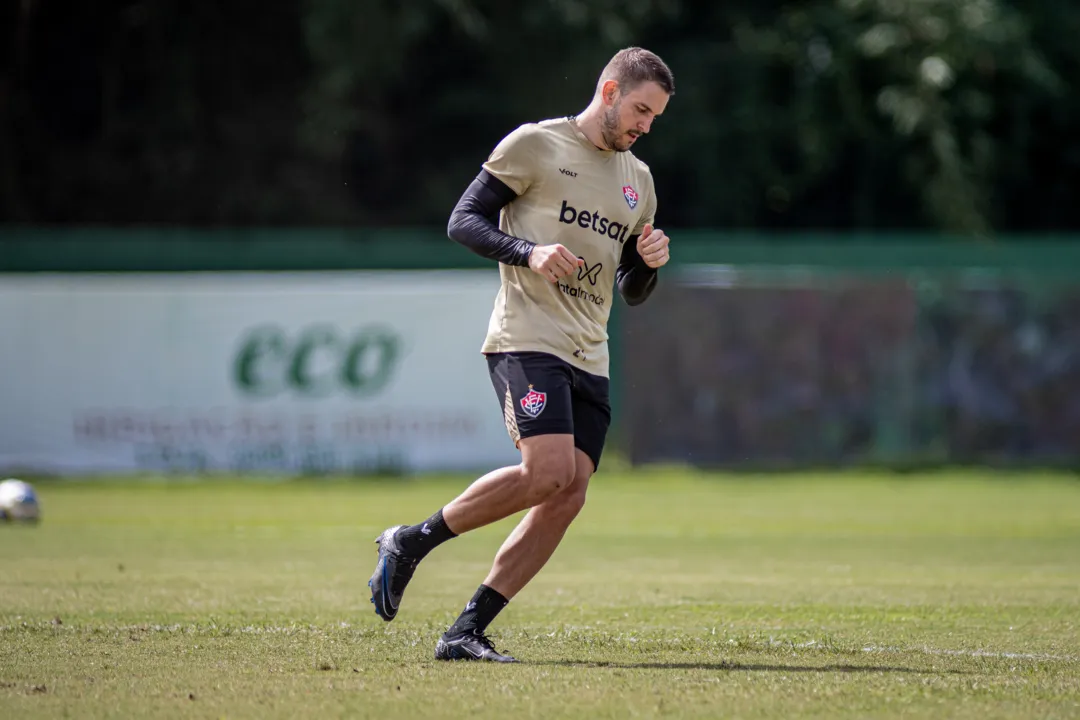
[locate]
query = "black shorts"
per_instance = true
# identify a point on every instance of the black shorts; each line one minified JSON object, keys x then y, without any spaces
{"x":541,"y":394}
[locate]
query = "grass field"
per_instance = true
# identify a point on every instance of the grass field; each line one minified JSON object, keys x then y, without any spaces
{"x":674,"y":595}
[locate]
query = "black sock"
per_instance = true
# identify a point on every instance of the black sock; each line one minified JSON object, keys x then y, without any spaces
{"x":480,"y":611}
{"x":418,"y":540}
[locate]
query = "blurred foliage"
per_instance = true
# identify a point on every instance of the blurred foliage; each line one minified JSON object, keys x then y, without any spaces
{"x":914,"y":83}
{"x":952,"y":115}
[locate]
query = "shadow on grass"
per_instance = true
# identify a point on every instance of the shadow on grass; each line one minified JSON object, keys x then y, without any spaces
{"x":746,"y":667}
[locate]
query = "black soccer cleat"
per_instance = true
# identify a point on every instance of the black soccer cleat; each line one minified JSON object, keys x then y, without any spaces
{"x":469,"y":645}
{"x":392,"y":573}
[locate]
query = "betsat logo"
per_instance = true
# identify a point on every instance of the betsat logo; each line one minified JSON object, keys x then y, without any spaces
{"x":599,"y":224}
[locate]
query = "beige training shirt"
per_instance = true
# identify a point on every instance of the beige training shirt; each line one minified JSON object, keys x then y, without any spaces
{"x":589,"y":200}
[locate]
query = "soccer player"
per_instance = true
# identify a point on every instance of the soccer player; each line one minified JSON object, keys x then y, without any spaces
{"x":568,"y":212}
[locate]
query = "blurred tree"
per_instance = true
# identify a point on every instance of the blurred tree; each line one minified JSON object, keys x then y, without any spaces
{"x":15,"y":20}
{"x":422,"y":99}
{"x":932,"y":69}
{"x":161,"y":111}
{"x":821,"y":114}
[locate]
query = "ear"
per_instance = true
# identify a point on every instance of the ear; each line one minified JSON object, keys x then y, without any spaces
{"x":609,"y":91}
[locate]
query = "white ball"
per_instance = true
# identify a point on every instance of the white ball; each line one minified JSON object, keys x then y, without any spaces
{"x":18,"y":501}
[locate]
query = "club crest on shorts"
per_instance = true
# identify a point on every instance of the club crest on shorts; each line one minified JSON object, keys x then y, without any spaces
{"x":533,"y":402}
{"x":631,"y":196}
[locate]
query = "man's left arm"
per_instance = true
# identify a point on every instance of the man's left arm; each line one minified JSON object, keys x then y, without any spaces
{"x":635,"y":279}
{"x":643,"y":253}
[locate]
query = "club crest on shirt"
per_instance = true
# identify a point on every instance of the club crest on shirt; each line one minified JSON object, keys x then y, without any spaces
{"x":631,"y":196}
{"x":533,"y":402}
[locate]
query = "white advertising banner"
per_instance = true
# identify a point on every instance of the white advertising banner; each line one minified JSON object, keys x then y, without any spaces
{"x":252,"y":373}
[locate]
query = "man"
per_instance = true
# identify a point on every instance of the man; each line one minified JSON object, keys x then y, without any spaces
{"x":568,"y":213}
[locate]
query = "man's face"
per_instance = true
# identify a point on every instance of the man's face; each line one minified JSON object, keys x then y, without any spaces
{"x":626,"y":117}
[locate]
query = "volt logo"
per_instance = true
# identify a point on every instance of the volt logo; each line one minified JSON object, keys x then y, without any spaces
{"x":592,"y":273}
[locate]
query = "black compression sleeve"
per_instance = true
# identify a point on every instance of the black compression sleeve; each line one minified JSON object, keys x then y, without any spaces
{"x":636,"y":280}
{"x":474,"y":222}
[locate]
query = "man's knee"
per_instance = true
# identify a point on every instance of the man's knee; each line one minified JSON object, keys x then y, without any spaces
{"x":548,"y":466}
{"x":572,"y":500}
{"x":565,"y":505}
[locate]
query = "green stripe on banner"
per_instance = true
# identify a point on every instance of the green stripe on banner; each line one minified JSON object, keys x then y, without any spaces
{"x":35,"y":249}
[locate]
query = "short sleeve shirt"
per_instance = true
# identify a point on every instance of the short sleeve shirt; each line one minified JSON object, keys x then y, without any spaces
{"x":591,"y":201}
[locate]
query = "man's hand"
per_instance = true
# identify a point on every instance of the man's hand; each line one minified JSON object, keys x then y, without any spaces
{"x":652,"y":245}
{"x":553,"y":261}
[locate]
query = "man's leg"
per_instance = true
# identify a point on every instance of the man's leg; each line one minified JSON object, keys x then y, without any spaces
{"x":521,"y":557}
{"x":546,"y":469}
{"x":533,"y":541}
{"x":497,"y":495}
{"x":544,"y":433}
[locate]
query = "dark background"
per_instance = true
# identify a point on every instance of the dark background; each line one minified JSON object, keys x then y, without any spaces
{"x":956,"y":116}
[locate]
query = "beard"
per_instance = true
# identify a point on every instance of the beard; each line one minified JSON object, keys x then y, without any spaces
{"x":609,"y":129}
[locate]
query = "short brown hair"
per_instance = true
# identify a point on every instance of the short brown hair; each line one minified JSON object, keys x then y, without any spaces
{"x":632,"y":66}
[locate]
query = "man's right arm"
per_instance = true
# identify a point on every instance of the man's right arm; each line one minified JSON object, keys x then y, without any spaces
{"x":474,"y":222}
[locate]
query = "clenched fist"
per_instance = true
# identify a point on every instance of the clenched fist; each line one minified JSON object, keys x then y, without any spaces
{"x":652,"y":245}
{"x":553,"y":261}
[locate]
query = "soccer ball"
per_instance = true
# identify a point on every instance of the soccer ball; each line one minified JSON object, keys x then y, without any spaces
{"x":18,"y":502}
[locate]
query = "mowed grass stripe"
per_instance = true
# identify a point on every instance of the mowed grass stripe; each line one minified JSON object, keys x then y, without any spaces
{"x":676,"y":594}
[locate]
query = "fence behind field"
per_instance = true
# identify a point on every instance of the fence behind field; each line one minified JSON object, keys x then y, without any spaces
{"x":782,"y":368}
{"x":754,"y":352}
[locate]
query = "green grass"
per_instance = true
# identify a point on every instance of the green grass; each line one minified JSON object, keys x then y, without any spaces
{"x":674,"y":595}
